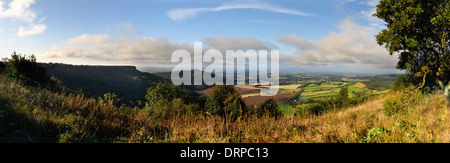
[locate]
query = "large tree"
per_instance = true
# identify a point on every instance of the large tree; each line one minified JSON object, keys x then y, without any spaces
{"x":225,"y":101}
{"x":26,"y":69}
{"x":165,"y":91}
{"x":418,"y":31}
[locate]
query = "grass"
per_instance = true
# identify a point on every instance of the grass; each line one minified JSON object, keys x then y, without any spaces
{"x":53,"y":117}
{"x":427,"y":122}
{"x":288,"y":110}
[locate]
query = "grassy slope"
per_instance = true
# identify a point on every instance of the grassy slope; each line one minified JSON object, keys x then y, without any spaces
{"x":428,"y":121}
{"x":425,"y":122}
{"x":51,"y":117}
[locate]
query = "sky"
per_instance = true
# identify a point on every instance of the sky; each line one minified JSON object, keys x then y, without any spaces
{"x":334,"y":35}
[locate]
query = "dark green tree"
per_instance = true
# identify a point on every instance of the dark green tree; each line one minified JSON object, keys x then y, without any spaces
{"x":418,"y":30}
{"x":224,"y":101}
{"x":343,"y":98}
{"x":401,"y":83}
{"x":270,"y":108}
{"x":25,"y":69}
{"x":165,"y":91}
{"x":167,"y":109}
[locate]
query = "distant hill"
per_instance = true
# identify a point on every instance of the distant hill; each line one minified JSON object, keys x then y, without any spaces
{"x":126,"y":82}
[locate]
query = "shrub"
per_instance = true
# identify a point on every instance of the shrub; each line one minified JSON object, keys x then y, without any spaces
{"x":225,"y":101}
{"x":400,"y":102}
{"x":373,"y":134}
{"x":270,"y":108}
{"x":110,"y":98}
{"x":164,"y":109}
{"x":25,"y":69}
{"x":166,"y":91}
{"x":401,"y":83}
{"x":392,"y":106}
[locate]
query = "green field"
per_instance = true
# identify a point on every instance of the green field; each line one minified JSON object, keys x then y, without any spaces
{"x":290,"y":90}
{"x":319,"y":91}
{"x":320,"y":87}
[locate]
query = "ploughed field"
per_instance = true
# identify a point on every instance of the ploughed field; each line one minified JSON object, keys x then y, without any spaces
{"x":251,"y":94}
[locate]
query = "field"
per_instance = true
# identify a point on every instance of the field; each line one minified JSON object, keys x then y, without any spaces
{"x":280,"y":98}
{"x":252,"y":96}
{"x":300,"y":91}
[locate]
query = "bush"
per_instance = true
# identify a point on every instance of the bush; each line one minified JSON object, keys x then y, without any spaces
{"x":165,"y":91}
{"x":2,"y":67}
{"x":269,"y":108}
{"x":373,"y":134}
{"x":164,"y":109}
{"x":392,"y":106}
{"x":25,"y":69}
{"x":225,"y":101}
{"x":401,"y":83}
{"x":400,"y":102}
{"x":110,"y":98}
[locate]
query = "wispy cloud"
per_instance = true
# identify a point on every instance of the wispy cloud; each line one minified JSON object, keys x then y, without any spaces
{"x":182,"y":14}
{"x":368,"y":14}
{"x":33,"y":30}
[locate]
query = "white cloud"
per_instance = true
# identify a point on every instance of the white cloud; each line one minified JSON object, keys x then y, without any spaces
{"x":20,"y":10}
{"x":129,"y":50}
{"x":352,"y":45}
{"x":180,"y":15}
{"x":119,"y":48}
{"x":368,"y":14}
{"x":33,"y":30}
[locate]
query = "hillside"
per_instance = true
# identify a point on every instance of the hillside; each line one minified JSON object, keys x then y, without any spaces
{"x":31,"y":112}
{"x":426,"y":122}
{"x":125,"y":81}
{"x":43,"y":116}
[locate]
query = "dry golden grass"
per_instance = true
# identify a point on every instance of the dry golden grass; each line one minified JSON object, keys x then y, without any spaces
{"x":424,"y":122}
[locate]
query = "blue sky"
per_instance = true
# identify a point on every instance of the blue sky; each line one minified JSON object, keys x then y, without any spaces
{"x":333,"y":34}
